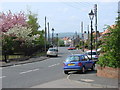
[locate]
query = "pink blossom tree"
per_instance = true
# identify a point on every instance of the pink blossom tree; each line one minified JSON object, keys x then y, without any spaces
{"x":9,"y":20}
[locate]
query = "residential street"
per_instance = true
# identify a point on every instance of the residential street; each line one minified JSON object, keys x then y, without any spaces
{"x":49,"y":74}
{"x":60,"y":44}
{"x":30,"y":74}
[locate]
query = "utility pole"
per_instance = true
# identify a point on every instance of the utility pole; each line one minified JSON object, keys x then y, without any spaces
{"x":119,"y":10}
{"x":45,"y":34}
{"x":82,"y":35}
{"x":95,"y":12}
{"x":88,"y":31}
{"x":48,"y":33}
{"x":57,"y":40}
{"x":52,"y":36}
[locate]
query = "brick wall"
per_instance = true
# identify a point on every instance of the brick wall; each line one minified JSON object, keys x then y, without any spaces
{"x":108,"y":72}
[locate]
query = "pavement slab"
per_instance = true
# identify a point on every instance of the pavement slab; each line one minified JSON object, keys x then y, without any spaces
{"x":65,"y":83}
{"x":92,"y":79}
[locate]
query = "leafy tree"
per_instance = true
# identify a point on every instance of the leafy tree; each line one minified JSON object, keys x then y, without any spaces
{"x":32,"y":22}
{"x":61,"y":42}
{"x":9,"y":20}
{"x":111,"y":47}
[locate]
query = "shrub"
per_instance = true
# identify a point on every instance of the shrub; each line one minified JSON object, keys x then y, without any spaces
{"x":111,"y":47}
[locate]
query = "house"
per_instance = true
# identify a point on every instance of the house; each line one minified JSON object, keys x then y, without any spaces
{"x":67,"y":41}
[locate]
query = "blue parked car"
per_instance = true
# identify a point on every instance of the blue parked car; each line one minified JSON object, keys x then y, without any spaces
{"x":78,"y":62}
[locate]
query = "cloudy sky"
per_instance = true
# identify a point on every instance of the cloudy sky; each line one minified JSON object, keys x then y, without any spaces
{"x":67,"y":15}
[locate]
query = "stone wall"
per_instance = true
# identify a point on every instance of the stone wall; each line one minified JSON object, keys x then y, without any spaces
{"x":108,"y":72}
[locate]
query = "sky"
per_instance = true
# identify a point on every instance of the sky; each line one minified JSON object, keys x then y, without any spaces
{"x":66,"y":16}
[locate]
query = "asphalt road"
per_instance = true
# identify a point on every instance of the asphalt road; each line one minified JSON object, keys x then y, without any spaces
{"x":32,"y":74}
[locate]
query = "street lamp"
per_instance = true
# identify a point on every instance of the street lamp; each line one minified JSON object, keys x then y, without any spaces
{"x":91,"y":15}
{"x":52,"y":35}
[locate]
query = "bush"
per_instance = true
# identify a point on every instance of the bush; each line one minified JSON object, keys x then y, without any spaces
{"x":111,"y":47}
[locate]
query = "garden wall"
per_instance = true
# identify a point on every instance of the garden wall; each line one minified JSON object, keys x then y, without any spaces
{"x":108,"y":72}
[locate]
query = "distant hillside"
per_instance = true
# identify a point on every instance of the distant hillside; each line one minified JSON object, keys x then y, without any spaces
{"x":66,"y":34}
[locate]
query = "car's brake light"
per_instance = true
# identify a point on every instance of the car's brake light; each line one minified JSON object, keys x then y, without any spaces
{"x":79,"y":64}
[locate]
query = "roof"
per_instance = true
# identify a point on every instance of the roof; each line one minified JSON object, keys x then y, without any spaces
{"x":66,"y":38}
{"x":107,"y":30}
{"x":90,"y":51}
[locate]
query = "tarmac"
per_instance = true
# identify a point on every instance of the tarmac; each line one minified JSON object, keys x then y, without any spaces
{"x":90,"y":80}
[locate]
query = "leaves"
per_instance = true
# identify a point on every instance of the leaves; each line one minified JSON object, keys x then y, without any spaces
{"x":32,"y":22}
{"x":111,"y":47}
{"x":9,"y":20}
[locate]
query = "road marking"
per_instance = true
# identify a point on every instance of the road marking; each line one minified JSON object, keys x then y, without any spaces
{"x":29,"y":71}
{"x":2,"y":77}
{"x":54,"y":65}
{"x":68,"y":77}
{"x":35,"y":70}
{"x":26,"y":72}
{"x":87,"y":80}
{"x":58,"y":64}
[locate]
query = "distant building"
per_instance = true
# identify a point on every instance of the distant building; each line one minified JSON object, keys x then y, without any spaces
{"x":105,"y":32}
{"x":67,"y":41}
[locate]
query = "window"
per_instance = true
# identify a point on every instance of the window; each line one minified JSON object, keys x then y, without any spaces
{"x":53,"y":50}
{"x":72,"y":58}
{"x":84,"y":58}
{"x":93,"y":53}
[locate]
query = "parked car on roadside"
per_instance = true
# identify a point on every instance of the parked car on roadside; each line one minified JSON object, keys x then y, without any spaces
{"x":52,"y":52}
{"x":71,"y":48}
{"x":95,"y":55}
{"x":78,"y":62}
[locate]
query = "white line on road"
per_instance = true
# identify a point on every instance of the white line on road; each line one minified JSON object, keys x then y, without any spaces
{"x":54,"y":65}
{"x":29,"y":71}
{"x":26,"y":71}
{"x":2,"y":77}
{"x":68,"y":77}
{"x":35,"y":70}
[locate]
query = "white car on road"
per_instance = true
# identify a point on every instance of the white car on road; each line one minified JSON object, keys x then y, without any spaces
{"x":52,"y":52}
{"x":95,"y":55}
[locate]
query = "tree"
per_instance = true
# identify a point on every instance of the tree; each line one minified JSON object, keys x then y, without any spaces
{"x":111,"y":47}
{"x":61,"y":42}
{"x":18,"y":38}
{"x":32,"y":22}
{"x":9,"y":20}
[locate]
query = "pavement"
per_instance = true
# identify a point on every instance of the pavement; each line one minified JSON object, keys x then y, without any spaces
{"x":92,"y":79}
{"x":81,"y":80}
{"x":23,"y":61}
{"x":88,"y":80}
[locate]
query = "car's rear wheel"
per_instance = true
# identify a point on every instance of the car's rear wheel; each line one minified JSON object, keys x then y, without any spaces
{"x":93,"y":68}
{"x":83,"y":70}
{"x":66,"y":72}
